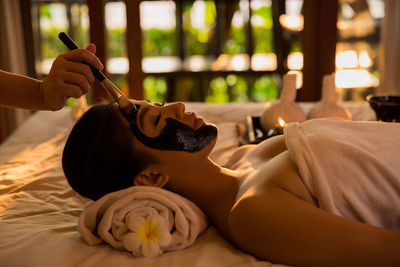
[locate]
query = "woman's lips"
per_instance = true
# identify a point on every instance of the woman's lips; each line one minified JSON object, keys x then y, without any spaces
{"x":197,"y":121}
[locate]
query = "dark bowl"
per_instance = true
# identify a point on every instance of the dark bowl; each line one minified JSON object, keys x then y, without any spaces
{"x":386,"y":107}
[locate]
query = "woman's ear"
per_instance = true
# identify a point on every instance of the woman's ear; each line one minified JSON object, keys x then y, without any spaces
{"x":151,"y":176}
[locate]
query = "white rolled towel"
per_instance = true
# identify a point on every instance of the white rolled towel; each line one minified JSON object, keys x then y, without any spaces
{"x":144,"y":220}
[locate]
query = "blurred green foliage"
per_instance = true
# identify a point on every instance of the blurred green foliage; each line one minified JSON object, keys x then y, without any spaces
{"x":264,"y":89}
{"x":155,"y":89}
{"x":157,"y":42}
{"x":51,"y":46}
{"x":263,"y":35}
{"x":70,"y":102}
{"x":295,"y":46}
{"x":116,"y":42}
{"x":162,"y":42}
{"x":196,"y":39}
{"x":239,"y":88}
{"x":235,"y":88}
{"x":218,"y":91}
{"x":236,"y":42}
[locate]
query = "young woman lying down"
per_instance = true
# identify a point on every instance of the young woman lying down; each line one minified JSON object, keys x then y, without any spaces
{"x":326,"y":193}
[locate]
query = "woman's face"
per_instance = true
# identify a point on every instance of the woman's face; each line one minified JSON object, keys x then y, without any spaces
{"x":169,"y":127}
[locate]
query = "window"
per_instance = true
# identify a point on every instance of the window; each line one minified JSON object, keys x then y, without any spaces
{"x":203,"y":51}
{"x":209,"y":50}
{"x":49,"y":18}
{"x":357,"y":49}
{"x":117,"y":61}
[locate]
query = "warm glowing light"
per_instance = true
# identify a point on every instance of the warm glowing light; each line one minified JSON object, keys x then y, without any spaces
{"x":220,"y":63}
{"x":238,"y":62}
{"x":157,"y":14}
{"x":115,"y":15}
{"x":197,"y":14}
{"x":264,"y":62}
{"x":360,"y":26}
{"x":257,"y":21}
{"x":357,"y":78}
{"x":118,"y":65}
{"x":58,"y":18}
{"x":364,"y":59}
{"x":299,"y":80}
{"x":195,"y":63}
{"x":295,"y":61}
{"x":44,"y":154}
{"x":161,"y":64}
{"x":238,"y":19}
{"x":45,"y":65}
{"x":292,"y":22}
{"x":346,"y":59}
{"x":342,"y":25}
{"x":281,"y":122}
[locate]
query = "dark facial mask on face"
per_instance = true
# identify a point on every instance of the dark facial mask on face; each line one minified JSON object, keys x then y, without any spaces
{"x":177,"y":136}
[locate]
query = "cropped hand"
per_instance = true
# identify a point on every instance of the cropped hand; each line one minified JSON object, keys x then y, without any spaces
{"x":69,"y":76}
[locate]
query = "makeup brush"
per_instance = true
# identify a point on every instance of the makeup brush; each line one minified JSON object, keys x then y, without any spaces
{"x":125,"y":105}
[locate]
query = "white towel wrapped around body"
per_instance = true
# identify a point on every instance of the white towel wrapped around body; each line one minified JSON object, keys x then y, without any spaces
{"x":351,"y":168}
{"x":145,"y":220}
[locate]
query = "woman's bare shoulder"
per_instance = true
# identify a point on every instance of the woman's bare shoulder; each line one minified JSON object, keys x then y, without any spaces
{"x":238,"y":155}
{"x":258,"y":153}
{"x":279,"y":173}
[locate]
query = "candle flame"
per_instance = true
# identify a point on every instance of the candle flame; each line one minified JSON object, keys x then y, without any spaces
{"x":281,"y":122}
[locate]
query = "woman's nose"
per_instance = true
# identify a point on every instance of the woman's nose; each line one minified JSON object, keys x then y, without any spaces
{"x":178,"y":109}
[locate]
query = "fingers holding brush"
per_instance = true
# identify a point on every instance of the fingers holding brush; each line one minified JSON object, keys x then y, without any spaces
{"x":92,"y":49}
{"x":85,"y":55}
{"x":69,"y":76}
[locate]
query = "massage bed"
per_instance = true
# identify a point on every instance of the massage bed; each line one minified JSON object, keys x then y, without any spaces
{"x":39,"y":211}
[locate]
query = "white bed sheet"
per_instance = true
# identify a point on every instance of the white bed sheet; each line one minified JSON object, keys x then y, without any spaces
{"x":39,"y":211}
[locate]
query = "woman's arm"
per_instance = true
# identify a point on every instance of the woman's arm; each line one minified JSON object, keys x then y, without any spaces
{"x":282,"y":228}
{"x":20,"y":91}
{"x":68,"y":77}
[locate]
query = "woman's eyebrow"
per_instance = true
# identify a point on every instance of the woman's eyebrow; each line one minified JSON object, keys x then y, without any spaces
{"x":144,"y":111}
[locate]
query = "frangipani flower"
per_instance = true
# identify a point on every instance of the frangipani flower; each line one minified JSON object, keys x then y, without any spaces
{"x":146,"y":236}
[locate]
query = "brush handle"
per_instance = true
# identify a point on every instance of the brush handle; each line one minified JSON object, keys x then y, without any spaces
{"x":125,"y":105}
{"x":72,"y":46}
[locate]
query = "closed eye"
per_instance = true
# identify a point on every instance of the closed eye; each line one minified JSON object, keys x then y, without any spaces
{"x":155,"y":103}
{"x":157,"y":119}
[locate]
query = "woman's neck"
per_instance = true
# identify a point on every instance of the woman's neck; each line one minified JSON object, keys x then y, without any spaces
{"x":211,"y":187}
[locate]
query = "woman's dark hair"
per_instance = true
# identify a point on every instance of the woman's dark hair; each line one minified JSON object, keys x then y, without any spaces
{"x":99,"y":156}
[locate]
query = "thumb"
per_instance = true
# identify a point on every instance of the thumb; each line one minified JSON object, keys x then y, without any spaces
{"x":91,"y":48}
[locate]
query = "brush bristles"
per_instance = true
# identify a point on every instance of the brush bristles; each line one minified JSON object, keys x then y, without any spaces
{"x":126,"y":105}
